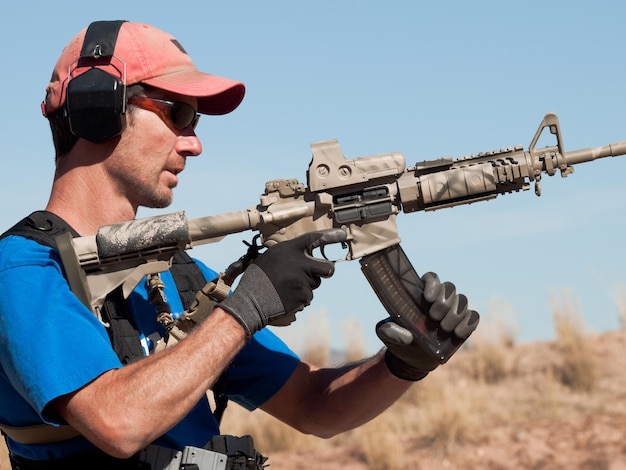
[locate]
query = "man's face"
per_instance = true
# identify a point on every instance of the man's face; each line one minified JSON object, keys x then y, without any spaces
{"x":151,"y":154}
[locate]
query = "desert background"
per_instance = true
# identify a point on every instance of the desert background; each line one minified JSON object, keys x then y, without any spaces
{"x":496,"y":405}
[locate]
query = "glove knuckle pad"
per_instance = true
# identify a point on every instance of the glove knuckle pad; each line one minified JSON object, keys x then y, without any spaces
{"x":467,"y":326}
{"x":432,"y":286}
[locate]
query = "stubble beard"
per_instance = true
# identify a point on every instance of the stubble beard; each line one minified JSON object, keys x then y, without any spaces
{"x":157,"y":200}
{"x":153,"y":196}
{"x":144,"y":189}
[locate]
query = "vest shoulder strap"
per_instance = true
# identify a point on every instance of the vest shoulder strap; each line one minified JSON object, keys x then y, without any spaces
{"x":188,"y":277}
{"x":42,"y":227}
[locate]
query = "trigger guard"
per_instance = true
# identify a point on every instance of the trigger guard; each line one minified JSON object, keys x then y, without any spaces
{"x":344,"y":246}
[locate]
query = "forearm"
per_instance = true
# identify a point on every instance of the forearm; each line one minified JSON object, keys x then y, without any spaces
{"x":337,"y":400}
{"x":352,"y":398}
{"x":125,"y":409}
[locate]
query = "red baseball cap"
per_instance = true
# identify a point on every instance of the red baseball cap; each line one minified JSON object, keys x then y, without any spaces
{"x":148,"y":55}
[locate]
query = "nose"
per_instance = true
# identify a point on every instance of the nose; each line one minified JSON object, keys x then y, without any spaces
{"x":189,"y":144}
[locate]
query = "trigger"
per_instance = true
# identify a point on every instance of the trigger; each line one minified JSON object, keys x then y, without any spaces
{"x":344,"y":246}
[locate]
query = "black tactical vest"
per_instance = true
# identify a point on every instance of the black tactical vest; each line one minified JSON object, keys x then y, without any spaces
{"x":43,"y":227}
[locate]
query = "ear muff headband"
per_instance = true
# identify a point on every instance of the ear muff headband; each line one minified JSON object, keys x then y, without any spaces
{"x":96,"y":100}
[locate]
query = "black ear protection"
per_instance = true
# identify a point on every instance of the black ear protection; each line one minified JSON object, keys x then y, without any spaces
{"x":95,"y":103}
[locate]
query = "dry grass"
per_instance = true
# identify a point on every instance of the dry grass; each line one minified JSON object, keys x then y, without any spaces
{"x":495,"y":405}
{"x":620,"y":302}
{"x":492,"y":345}
{"x":458,"y":404}
{"x":577,"y":369}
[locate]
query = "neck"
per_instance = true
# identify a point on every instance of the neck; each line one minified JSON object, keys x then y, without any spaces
{"x":83,"y":196}
{"x":86,"y":217}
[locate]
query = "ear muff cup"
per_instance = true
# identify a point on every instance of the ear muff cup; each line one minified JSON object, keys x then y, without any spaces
{"x":95,"y":102}
{"x":95,"y":105}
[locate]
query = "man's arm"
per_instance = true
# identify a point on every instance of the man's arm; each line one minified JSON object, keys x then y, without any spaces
{"x":123,"y":410}
{"x":325,"y":402}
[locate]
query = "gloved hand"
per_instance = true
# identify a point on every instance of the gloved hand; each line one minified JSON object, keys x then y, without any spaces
{"x":280,"y":282}
{"x":406,"y":357}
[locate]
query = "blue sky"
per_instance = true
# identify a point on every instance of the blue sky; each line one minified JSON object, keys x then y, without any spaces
{"x":428,"y":79}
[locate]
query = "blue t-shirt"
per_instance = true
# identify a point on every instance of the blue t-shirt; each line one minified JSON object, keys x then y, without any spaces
{"x":51,"y":345}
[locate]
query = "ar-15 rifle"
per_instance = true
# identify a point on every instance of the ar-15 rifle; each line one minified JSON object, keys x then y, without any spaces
{"x":361,"y":196}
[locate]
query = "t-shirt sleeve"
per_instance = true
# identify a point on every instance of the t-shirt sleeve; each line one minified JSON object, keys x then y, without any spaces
{"x":51,"y":344}
{"x":260,"y":368}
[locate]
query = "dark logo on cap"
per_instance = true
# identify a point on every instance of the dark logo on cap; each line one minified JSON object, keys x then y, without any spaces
{"x":179,"y":46}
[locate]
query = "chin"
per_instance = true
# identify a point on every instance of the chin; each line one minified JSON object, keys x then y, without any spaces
{"x":159,"y":202}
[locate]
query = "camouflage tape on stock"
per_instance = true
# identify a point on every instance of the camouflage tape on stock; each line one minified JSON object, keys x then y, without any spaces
{"x":136,"y":236}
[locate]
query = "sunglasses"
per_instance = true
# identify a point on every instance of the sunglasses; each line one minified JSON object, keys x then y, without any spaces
{"x":181,"y":115}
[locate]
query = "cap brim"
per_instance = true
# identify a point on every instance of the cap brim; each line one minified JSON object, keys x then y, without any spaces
{"x":216,"y":95}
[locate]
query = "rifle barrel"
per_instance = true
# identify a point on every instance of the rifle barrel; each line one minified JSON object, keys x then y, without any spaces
{"x":589,"y":154}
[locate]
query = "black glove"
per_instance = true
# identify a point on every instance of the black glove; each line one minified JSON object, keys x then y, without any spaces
{"x":280,"y":282}
{"x":447,"y":310}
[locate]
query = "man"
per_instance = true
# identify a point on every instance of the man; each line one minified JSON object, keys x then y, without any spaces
{"x":123,"y":103}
